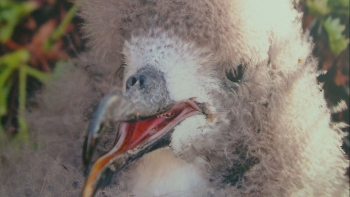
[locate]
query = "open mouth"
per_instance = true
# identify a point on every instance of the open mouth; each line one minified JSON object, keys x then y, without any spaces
{"x":137,"y":138}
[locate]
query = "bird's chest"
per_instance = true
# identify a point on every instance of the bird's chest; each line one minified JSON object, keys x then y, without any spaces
{"x":161,"y":174}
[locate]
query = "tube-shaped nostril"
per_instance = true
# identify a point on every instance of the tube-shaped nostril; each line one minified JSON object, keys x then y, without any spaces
{"x":133,"y":80}
{"x":136,"y":80}
{"x":142,"y":80}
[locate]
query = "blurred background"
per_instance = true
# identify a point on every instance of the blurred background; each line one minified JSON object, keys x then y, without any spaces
{"x":36,"y":35}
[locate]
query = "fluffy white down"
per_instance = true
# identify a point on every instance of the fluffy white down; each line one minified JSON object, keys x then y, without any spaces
{"x":160,"y":173}
{"x":182,"y":63}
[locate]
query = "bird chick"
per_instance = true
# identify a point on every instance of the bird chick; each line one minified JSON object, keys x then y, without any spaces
{"x":184,"y":98}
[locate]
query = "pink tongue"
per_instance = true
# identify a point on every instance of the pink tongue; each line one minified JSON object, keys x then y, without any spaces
{"x":138,"y":132}
{"x":142,"y":130}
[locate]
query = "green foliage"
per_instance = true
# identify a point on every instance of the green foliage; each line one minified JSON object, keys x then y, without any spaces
{"x":59,"y":31}
{"x":318,"y":7}
{"x":323,"y":10}
{"x":11,"y":13}
{"x":10,"y":64}
{"x":339,"y":6}
{"x":337,"y":40}
{"x":14,"y":66}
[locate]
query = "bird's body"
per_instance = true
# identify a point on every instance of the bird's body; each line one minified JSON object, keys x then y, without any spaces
{"x":257,"y":125}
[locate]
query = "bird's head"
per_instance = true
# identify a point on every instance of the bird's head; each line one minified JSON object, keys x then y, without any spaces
{"x":166,"y":100}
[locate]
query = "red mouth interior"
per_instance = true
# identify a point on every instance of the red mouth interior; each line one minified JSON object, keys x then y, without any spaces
{"x":140,"y":131}
{"x":136,"y":133}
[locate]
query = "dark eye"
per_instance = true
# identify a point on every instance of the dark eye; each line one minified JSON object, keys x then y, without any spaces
{"x":236,"y":75}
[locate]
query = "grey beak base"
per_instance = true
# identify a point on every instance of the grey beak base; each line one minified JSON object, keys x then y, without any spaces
{"x":145,"y":96}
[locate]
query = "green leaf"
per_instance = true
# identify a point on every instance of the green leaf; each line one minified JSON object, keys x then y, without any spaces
{"x":11,"y":13}
{"x":9,"y":63}
{"x":339,"y":3}
{"x":59,"y":31}
{"x":339,"y":6}
{"x":337,"y":41}
{"x":318,"y":8}
{"x":15,"y":58}
{"x":3,"y":98}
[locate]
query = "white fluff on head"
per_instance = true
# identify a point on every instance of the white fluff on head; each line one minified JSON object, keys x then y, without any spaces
{"x":268,"y":133}
{"x":186,"y":68}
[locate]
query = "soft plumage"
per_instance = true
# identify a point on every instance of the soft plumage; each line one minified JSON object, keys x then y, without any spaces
{"x":266,"y":133}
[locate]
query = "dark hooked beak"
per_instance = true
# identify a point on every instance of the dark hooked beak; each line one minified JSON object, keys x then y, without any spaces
{"x":145,"y":124}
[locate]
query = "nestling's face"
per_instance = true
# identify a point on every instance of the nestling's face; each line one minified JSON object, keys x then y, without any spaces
{"x":166,"y":101}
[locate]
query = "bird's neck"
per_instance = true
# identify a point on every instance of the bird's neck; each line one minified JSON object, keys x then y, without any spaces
{"x":160,"y":173}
